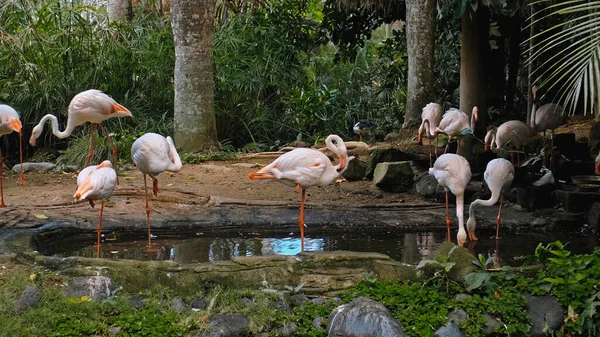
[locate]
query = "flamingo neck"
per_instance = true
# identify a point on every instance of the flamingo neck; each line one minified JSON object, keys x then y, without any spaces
{"x":427,"y":128}
{"x":473,"y":121}
{"x":460,"y":204}
{"x":54,"y":121}
{"x":175,"y":165}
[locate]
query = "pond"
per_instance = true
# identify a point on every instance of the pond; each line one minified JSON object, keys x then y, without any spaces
{"x":194,"y":247}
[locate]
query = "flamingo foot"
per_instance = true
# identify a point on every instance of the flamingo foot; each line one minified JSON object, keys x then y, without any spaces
{"x":22,"y":178}
{"x":155,"y":186}
{"x":2,"y":205}
{"x":472,"y":235}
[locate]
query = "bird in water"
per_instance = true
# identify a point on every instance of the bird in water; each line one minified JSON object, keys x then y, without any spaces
{"x":96,"y":182}
{"x":305,"y":168}
{"x":512,"y":135}
{"x":547,"y":117}
{"x":9,"y":123}
{"x":499,"y":175}
{"x":154,"y":154}
{"x":363,"y":128}
{"x":92,"y":106}
{"x":456,"y":124}
{"x":453,"y":173}
{"x":430,"y":119}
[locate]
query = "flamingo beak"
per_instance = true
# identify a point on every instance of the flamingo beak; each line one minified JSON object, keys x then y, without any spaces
{"x":16,"y":125}
{"x":342,"y":163}
{"x":486,"y":147}
{"x":597,"y":171}
{"x":32,"y":140}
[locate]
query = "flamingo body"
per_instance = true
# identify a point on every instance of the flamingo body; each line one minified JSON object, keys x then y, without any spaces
{"x":499,"y":175}
{"x":9,"y":123}
{"x":548,"y":117}
{"x":597,"y":164}
{"x":432,"y":113}
{"x":453,"y":173}
{"x":455,"y":123}
{"x":305,"y":168}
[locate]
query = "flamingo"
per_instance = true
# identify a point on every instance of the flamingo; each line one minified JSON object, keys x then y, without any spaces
{"x":154,"y":154}
{"x":96,"y":182}
{"x":363,"y":127}
{"x":548,"y":116}
{"x":9,"y":123}
{"x":513,"y":134}
{"x":597,"y":164}
{"x":453,"y":173}
{"x":498,"y":176}
{"x":305,"y":168}
{"x":431,"y":117}
{"x":455,"y":123}
{"x":92,"y":106}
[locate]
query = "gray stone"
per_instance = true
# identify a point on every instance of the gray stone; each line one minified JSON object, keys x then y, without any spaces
{"x":491,"y":324}
{"x":317,"y":323}
{"x":298,"y":299}
{"x":450,"y":330}
{"x":427,"y":186}
{"x":136,"y":301}
{"x":246,"y":302}
{"x":462,"y":258}
{"x":394,"y":176}
{"x":384,"y":154}
{"x":199,"y":304}
{"x":576,"y":202}
{"x":363,"y":317}
{"x":545,"y":313}
{"x":356,"y":169}
{"x":29,"y":298}
{"x":180,"y":306}
{"x":318,"y":300}
{"x":532,"y":197}
{"x":228,"y":325}
{"x":593,"y":217}
{"x":95,"y":287}
{"x":34,"y":167}
{"x":461,"y":297}
{"x":288,"y":329}
{"x":457,"y":316}
{"x":337,"y":300}
{"x":282,"y":306}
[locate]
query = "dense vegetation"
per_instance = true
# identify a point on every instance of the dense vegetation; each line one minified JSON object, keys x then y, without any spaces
{"x":420,"y":306}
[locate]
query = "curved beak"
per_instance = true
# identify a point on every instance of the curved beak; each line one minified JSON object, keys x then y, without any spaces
{"x":342,"y":163}
{"x":486,"y":147}
{"x":32,"y":140}
{"x":16,"y":125}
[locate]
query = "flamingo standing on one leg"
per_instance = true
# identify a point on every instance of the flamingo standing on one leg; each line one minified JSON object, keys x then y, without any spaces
{"x":548,"y":116}
{"x":10,"y":122}
{"x":453,"y":172}
{"x":96,"y":183}
{"x":455,"y":123}
{"x":498,"y":176}
{"x":430,"y":119}
{"x":154,"y":154}
{"x":304,"y":168}
{"x":92,"y":106}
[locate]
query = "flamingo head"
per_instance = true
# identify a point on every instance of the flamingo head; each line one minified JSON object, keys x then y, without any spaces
{"x":15,"y":124}
{"x":35,"y":134}
{"x":336,"y":145}
{"x":534,"y":90}
{"x":476,"y":113}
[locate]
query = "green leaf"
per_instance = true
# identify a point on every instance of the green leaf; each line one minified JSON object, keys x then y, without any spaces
{"x":475,"y":280}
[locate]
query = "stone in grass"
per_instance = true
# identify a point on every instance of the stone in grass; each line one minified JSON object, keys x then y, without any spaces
{"x":363,"y":317}
{"x":394,"y":176}
{"x":546,"y":314}
{"x":95,"y":287}
{"x":34,"y":167}
{"x":29,"y":298}
{"x":227,"y":325}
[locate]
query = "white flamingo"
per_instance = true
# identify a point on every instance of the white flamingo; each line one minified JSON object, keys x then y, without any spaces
{"x":456,"y":124}
{"x":597,"y":164}
{"x":154,"y":154}
{"x":430,"y":119}
{"x":514,"y":135}
{"x":305,"y":168}
{"x":92,"y":106}
{"x":96,"y":182}
{"x":548,"y":117}
{"x":453,"y":172}
{"x":9,"y":123}
{"x":498,"y":176}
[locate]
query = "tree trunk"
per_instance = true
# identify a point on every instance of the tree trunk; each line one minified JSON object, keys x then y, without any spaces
{"x":475,"y":28}
{"x":530,"y":67}
{"x":513,"y":66}
{"x":420,"y":39}
{"x":194,"y":120}
{"x":120,"y":10}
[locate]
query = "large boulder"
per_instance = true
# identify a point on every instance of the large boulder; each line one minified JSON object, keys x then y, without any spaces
{"x":34,"y":167}
{"x":356,"y":169}
{"x":426,"y":186}
{"x":29,"y":298}
{"x":363,"y":317}
{"x":461,"y":257}
{"x":95,"y":287}
{"x":575,"y":202}
{"x":228,"y":325}
{"x":394,"y":176}
{"x":546,"y":314}
{"x":384,"y":154}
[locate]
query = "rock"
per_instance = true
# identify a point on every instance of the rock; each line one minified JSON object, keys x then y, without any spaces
{"x":245,"y":165}
{"x":227,"y":325}
{"x":356,"y":170}
{"x":95,"y":287}
{"x":287,"y":329}
{"x":363,"y":317}
{"x":298,"y":299}
{"x":462,"y":258}
{"x":457,"y":316}
{"x":426,"y":186}
{"x":200,"y":304}
{"x":136,"y":301}
{"x":491,"y":324}
{"x":318,"y":300}
{"x":247,"y":302}
{"x":532,"y":197}
{"x":393,"y":176}
{"x":576,"y":202}
{"x":317,"y":323}
{"x":29,"y":298}
{"x":595,"y":138}
{"x":34,"y":167}
{"x":282,"y":306}
{"x":545,"y":313}
{"x":381,"y":155}
{"x":450,"y":330}
{"x":593,"y":217}
{"x":180,"y":306}
{"x":337,"y":300}
{"x":391,"y":137}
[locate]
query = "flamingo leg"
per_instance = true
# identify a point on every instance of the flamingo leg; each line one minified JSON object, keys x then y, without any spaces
{"x":302,"y":218}
{"x":114,"y":148}
{"x":544,"y":161}
{"x":436,"y":144}
{"x":499,"y":216}
{"x":430,"y":153}
{"x":147,"y":212}
{"x":458,"y":147}
{"x":551,"y":147}
{"x":447,"y":217}
{"x":2,"y":204}
{"x":154,"y":186}
{"x":91,"y":152}
{"x":21,"y":174}
{"x":99,"y":229}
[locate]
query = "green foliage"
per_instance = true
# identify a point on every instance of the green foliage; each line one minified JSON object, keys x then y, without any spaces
{"x":307,"y":312}
{"x":197,"y":158}
{"x":148,"y":322}
{"x":508,"y":308}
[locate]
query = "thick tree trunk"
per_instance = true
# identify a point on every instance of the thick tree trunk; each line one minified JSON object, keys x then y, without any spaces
{"x":194,"y":120}
{"x":473,"y":76}
{"x":513,"y":67}
{"x":120,"y":10}
{"x":420,"y":38}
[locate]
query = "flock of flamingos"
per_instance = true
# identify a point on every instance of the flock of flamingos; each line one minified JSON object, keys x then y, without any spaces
{"x":153,"y":154}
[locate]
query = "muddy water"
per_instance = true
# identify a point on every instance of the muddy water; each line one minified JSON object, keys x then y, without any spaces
{"x":406,"y":247}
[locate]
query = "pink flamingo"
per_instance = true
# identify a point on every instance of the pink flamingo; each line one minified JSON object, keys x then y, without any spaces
{"x":548,"y":116}
{"x":305,"y":168}
{"x":92,"y":106}
{"x":455,"y":123}
{"x":513,"y":134}
{"x":430,"y":119}
{"x":96,"y":183}
{"x":453,"y":173}
{"x":9,"y":123}
{"x":597,"y":164}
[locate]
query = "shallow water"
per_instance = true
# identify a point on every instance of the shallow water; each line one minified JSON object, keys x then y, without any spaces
{"x":405,"y":247}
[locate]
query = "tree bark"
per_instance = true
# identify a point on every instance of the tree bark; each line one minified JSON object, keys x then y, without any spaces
{"x":420,"y":39}
{"x":120,"y":10}
{"x":194,"y":120}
